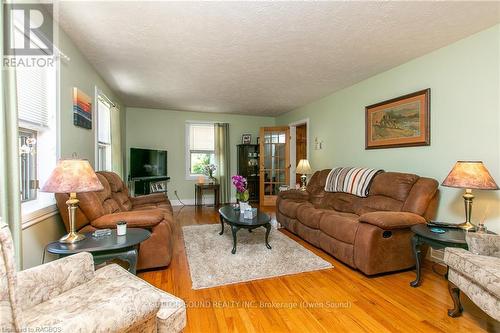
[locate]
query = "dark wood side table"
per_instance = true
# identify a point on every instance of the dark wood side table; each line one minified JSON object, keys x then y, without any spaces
{"x":423,"y":235}
{"x":200,"y":188}
{"x":106,"y":248}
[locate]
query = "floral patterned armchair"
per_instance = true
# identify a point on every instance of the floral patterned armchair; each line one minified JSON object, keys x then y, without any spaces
{"x":67,"y":295}
{"x":476,"y":273}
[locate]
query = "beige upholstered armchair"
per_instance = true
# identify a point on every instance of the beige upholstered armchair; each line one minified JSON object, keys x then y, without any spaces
{"x":67,"y":295}
{"x":476,"y":273}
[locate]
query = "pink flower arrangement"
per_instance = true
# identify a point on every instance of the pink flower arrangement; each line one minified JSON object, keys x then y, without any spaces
{"x":240,"y":183}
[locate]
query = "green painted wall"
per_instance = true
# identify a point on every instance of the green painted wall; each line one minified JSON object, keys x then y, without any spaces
{"x":77,"y":72}
{"x":465,"y":120}
{"x":165,"y":129}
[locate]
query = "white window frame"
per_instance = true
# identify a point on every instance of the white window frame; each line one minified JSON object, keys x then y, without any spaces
{"x":189,"y":175}
{"x":99,"y":94}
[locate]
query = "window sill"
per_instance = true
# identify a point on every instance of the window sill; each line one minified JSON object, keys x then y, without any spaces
{"x":38,"y":216}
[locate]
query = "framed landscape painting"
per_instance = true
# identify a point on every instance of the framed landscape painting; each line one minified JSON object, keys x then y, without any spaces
{"x":399,"y":122}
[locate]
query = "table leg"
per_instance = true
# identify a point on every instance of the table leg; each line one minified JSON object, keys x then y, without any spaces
{"x":417,"y":253}
{"x":217,"y":198}
{"x":221,"y":224}
{"x":234,"y":230}
{"x":130,"y":256}
{"x":268,"y":230}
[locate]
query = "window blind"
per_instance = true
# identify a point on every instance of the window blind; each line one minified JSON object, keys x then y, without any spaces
{"x":201,"y":137}
{"x":32,"y":93}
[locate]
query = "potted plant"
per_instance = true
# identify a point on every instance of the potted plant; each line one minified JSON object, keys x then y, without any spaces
{"x":209,"y":170}
{"x":242,"y":194}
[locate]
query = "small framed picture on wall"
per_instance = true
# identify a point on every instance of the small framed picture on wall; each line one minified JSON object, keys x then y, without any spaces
{"x":246,"y":139}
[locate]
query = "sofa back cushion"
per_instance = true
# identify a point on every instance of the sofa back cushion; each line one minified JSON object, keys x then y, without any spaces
{"x":119,"y":191}
{"x":389,"y":191}
{"x":92,"y":205}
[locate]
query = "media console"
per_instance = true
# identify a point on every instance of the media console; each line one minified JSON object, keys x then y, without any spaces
{"x":148,"y":185}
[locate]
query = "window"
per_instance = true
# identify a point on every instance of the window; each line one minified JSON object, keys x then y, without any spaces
{"x":104,"y":157}
{"x":200,"y":147}
{"x":37,"y":133}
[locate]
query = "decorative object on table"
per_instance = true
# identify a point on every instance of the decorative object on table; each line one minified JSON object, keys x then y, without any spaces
{"x":201,"y":179}
{"x":284,"y":188}
{"x":399,"y":122}
{"x":476,"y":273}
{"x":249,"y":213}
{"x":209,"y":170}
{"x":82,"y":109}
{"x":246,"y":139}
{"x":121,"y":228}
{"x":305,"y":169}
{"x":101,"y":233}
{"x":241,"y":185}
{"x":469,"y":175}
{"x":72,"y":176}
{"x":206,"y":250}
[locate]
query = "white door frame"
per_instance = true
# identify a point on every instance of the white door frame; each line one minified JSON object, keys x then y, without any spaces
{"x":293,"y":148}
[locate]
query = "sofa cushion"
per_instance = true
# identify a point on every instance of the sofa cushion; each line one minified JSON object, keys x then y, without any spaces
{"x":341,"y":202}
{"x":377,"y":203}
{"x":119,"y":191}
{"x":104,"y":304}
{"x":341,"y":226}
{"x":289,"y":208}
{"x":394,"y":185}
{"x":483,"y":270}
{"x":308,"y":215}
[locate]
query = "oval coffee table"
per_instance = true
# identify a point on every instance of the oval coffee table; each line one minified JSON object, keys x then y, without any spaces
{"x":232,"y":217}
{"x":107,"y":247}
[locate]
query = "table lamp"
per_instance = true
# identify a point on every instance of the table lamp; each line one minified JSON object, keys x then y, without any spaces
{"x":469,"y":175}
{"x":305,"y":169}
{"x":72,"y":176}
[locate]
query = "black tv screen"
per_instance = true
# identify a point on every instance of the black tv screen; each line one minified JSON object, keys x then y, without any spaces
{"x":148,"y":163}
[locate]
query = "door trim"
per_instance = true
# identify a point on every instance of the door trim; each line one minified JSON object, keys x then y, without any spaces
{"x":293,"y":148}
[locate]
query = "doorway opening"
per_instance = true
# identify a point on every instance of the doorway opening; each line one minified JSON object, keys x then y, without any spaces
{"x":299,"y":148}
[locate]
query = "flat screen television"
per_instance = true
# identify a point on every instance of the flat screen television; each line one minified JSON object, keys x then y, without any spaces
{"x":148,"y":163}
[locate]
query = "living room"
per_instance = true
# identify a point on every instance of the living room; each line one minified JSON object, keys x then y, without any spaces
{"x":194,"y":83}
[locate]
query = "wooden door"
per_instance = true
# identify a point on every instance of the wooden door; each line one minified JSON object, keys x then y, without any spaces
{"x":300,"y":147}
{"x":274,"y":162}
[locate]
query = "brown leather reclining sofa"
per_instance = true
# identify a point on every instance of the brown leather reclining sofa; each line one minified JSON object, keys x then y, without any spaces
{"x":103,"y":209}
{"x":371,"y":234}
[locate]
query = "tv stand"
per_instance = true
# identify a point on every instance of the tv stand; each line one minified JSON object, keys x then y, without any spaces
{"x":146,"y":185}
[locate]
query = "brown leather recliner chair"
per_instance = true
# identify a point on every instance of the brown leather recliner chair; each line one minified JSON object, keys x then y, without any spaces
{"x":103,"y":209}
{"x":371,"y":234}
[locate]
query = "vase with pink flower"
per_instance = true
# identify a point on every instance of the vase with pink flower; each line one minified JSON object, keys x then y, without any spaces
{"x":242,"y":194}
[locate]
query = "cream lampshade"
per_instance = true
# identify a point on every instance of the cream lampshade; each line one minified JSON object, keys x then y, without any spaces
{"x":470,"y":175}
{"x":72,"y":176}
{"x":305,"y":169}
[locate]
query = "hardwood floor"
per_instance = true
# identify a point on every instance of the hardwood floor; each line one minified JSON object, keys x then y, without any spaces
{"x":332,"y":300}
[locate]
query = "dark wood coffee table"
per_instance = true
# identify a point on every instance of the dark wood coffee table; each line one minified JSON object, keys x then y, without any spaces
{"x":106,"y":248}
{"x":453,"y":237}
{"x":232,"y":217}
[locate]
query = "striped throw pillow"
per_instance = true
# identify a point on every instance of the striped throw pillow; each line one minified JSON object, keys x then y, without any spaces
{"x":351,"y":180}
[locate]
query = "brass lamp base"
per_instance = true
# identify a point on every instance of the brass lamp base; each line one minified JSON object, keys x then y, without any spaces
{"x":72,"y":237}
{"x":303,"y":180}
{"x":467,"y":226}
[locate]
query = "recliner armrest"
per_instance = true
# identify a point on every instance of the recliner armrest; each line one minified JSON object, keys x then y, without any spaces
{"x":134,"y":219}
{"x":148,"y":199}
{"x":296,"y":195}
{"x":41,"y":283}
{"x":392,"y":220}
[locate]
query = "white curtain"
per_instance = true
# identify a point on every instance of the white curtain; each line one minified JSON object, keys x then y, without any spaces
{"x":10,"y":199}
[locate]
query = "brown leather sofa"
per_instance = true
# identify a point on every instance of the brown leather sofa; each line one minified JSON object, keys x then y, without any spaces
{"x":371,"y":234}
{"x":103,"y":209}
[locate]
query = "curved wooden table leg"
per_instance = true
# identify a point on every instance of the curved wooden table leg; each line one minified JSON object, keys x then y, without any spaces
{"x":221,"y":224}
{"x":417,"y":253}
{"x":455,"y":296}
{"x":268,"y":230}
{"x":234,"y":230}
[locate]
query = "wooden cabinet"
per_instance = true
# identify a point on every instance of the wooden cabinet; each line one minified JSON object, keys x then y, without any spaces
{"x":248,"y":167}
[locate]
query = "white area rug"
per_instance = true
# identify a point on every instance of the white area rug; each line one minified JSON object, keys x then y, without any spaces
{"x":211,"y":263}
